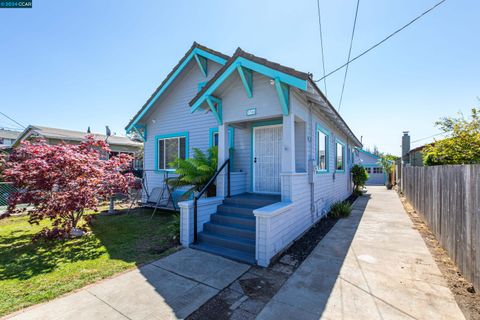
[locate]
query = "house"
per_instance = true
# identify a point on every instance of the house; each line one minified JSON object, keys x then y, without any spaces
{"x":118,"y":144}
{"x":369,"y":161}
{"x":288,"y":150}
{"x":7,"y":137}
{"x":411,"y":157}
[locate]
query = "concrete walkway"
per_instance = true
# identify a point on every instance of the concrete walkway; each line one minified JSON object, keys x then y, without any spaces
{"x":170,"y":288}
{"x":372,"y":265}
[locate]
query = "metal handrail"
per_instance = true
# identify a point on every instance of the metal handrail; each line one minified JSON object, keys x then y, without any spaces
{"x":195,"y":198}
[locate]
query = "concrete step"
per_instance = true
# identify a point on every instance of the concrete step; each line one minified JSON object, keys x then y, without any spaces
{"x":236,"y":255}
{"x":233,"y":219}
{"x":230,"y":230}
{"x":226,"y":241}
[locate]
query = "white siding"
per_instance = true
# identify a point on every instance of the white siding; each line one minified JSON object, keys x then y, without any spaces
{"x":171,"y":114}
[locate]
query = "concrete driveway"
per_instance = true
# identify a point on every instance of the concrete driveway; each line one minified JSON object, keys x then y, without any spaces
{"x":170,"y":288}
{"x":372,"y":265}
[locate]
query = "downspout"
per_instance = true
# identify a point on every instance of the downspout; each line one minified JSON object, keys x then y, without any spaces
{"x":311,"y":160}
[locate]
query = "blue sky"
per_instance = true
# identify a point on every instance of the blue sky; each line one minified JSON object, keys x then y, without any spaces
{"x":71,"y":64}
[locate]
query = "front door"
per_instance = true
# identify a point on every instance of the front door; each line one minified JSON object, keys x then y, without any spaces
{"x":267,"y":161}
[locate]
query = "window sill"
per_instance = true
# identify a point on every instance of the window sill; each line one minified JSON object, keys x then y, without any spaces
{"x":322,"y":171}
{"x":339,"y":171}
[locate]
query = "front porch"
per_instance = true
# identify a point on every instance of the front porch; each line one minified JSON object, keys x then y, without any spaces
{"x":263,"y":154}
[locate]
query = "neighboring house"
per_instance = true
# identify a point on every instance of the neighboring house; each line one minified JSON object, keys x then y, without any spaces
{"x":117,"y":144}
{"x":369,"y":161}
{"x":7,"y":137}
{"x":411,"y":157}
{"x":290,"y":151}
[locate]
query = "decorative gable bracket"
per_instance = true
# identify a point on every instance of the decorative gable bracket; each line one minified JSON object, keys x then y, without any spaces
{"x":141,"y":130}
{"x":283,"y":92}
{"x":247,"y":79}
{"x":202,"y":64}
{"x":215,"y":105}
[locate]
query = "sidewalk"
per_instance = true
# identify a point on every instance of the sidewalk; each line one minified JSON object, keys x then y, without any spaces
{"x":170,"y":288}
{"x":372,"y":265}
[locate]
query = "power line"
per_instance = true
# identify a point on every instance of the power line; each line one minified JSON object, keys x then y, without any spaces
{"x":434,"y":135}
{"x":321,"y":45}
{"x":379,"y":43}
{"x":349,"y":53}
{"x":21,"y":125}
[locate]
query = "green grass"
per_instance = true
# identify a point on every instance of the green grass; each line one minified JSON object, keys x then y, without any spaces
{"x":33,"y":272}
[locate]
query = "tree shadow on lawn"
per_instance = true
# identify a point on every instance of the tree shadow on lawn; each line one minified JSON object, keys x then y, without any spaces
{"x":132,"y":238}
{"x":21,"y":258}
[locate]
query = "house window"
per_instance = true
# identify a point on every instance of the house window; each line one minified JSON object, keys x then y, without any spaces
{"x":368,"y":170}
{"x":377,"y":170}
{"x":215,"y":139}
{"x":322,"y":151}
{"x":169,"y":149}
{"x":340,"y":153}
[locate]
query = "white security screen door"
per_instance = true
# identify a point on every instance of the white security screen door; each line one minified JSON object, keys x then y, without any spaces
{"x":267,"y":152}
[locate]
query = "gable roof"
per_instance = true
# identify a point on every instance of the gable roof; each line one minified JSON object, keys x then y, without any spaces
{"x":9,"y":134}
{"x":295,"y":78}
{"x":368,"y":153}
{"x":71,"y":135}
{"x":196,"y":48}
{"x":237,"y":57}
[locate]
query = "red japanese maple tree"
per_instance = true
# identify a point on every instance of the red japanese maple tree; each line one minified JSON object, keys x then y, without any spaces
{"x":59,"y":182}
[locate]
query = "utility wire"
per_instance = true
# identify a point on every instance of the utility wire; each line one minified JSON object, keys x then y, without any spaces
{"x":349,"y":54}
{"x":434,"y":135}
{"x":21,"y":125}
{"x":379,"y":43}
{"x":321,"y":45}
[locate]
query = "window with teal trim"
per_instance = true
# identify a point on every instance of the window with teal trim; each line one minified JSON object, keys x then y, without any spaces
{"x":322,"y":151}
{"x":169,"y":149}
{"x":340,"y":159}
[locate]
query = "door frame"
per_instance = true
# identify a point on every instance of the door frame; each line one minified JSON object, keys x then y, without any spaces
{"x":271,"y":124}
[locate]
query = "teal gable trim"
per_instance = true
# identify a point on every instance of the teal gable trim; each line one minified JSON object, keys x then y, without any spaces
{"x":195,"y":51}
{"x":254,"y":125}
{"x":247,"y":79}
{"x":216,"y":110}
{"x":327,"y":148}
{"x":368,"y":153}
{"x":141,"y":130}
{"x":243,"y":62}
{"x":201,"y":85}
{"x":283,"y":92}
{"x":166,"y":136}
{"x":202,"y":64}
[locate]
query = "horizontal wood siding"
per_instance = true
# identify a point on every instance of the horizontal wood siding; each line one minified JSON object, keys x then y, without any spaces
{"x":171,"y":114}
{"x":448,"y":199}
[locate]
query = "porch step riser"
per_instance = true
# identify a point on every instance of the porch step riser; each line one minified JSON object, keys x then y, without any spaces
{"x":253,"y":203}
{"x":232,"y":220}
{"x":230,"y":231}
{"x":226,"y":242}
{"x":237,"y":210}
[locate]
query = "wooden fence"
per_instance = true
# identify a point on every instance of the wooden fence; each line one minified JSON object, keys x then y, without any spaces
{"x":448,"y":198}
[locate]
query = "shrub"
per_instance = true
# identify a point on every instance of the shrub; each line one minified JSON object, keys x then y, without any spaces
{"x":359,"y":176}
{"x":340,"y":209}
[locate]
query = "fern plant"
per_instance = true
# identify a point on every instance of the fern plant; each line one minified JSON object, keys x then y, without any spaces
{"x":195,"y":172}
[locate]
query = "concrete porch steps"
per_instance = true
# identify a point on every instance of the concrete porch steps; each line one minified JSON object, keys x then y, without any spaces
{"x":231,"y":230}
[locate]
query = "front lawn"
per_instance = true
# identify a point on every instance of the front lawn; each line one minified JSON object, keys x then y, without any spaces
{"x":33,"y":272}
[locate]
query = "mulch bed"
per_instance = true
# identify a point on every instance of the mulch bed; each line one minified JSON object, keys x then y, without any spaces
{"x":467,"y":298}
{"x":246,"y":297}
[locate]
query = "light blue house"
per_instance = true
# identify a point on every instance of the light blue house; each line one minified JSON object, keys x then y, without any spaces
{"x":376,"y":176}
{"x":288,"y":150}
